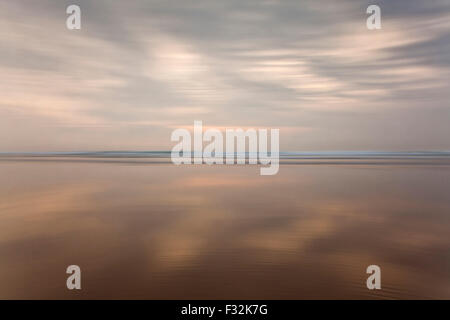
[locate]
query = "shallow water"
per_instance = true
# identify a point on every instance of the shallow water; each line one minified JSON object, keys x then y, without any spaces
{"x":155,"y":231}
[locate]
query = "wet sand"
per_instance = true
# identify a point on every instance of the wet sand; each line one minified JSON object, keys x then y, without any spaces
{"x":156,"y":231}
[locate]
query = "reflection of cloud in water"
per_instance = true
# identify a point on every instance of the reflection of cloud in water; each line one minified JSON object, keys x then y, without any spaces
{"x":149,"y":230}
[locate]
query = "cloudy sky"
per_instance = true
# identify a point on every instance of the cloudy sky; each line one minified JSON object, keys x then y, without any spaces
{"x":139,"y":69}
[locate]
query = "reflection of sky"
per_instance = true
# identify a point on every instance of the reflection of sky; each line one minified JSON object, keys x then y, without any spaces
{"x":138,"y":69}
{"x":163,"y":231}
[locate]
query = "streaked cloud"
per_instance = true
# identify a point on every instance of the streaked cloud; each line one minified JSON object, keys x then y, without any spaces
{"x":137,"y":69}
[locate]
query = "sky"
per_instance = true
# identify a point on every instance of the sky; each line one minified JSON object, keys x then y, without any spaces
{"x":137,"y":70}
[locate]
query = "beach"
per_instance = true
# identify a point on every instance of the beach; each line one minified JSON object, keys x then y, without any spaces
{"x":142,"y":230}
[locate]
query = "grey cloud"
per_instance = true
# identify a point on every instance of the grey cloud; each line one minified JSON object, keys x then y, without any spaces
{"x":302,"y":64}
